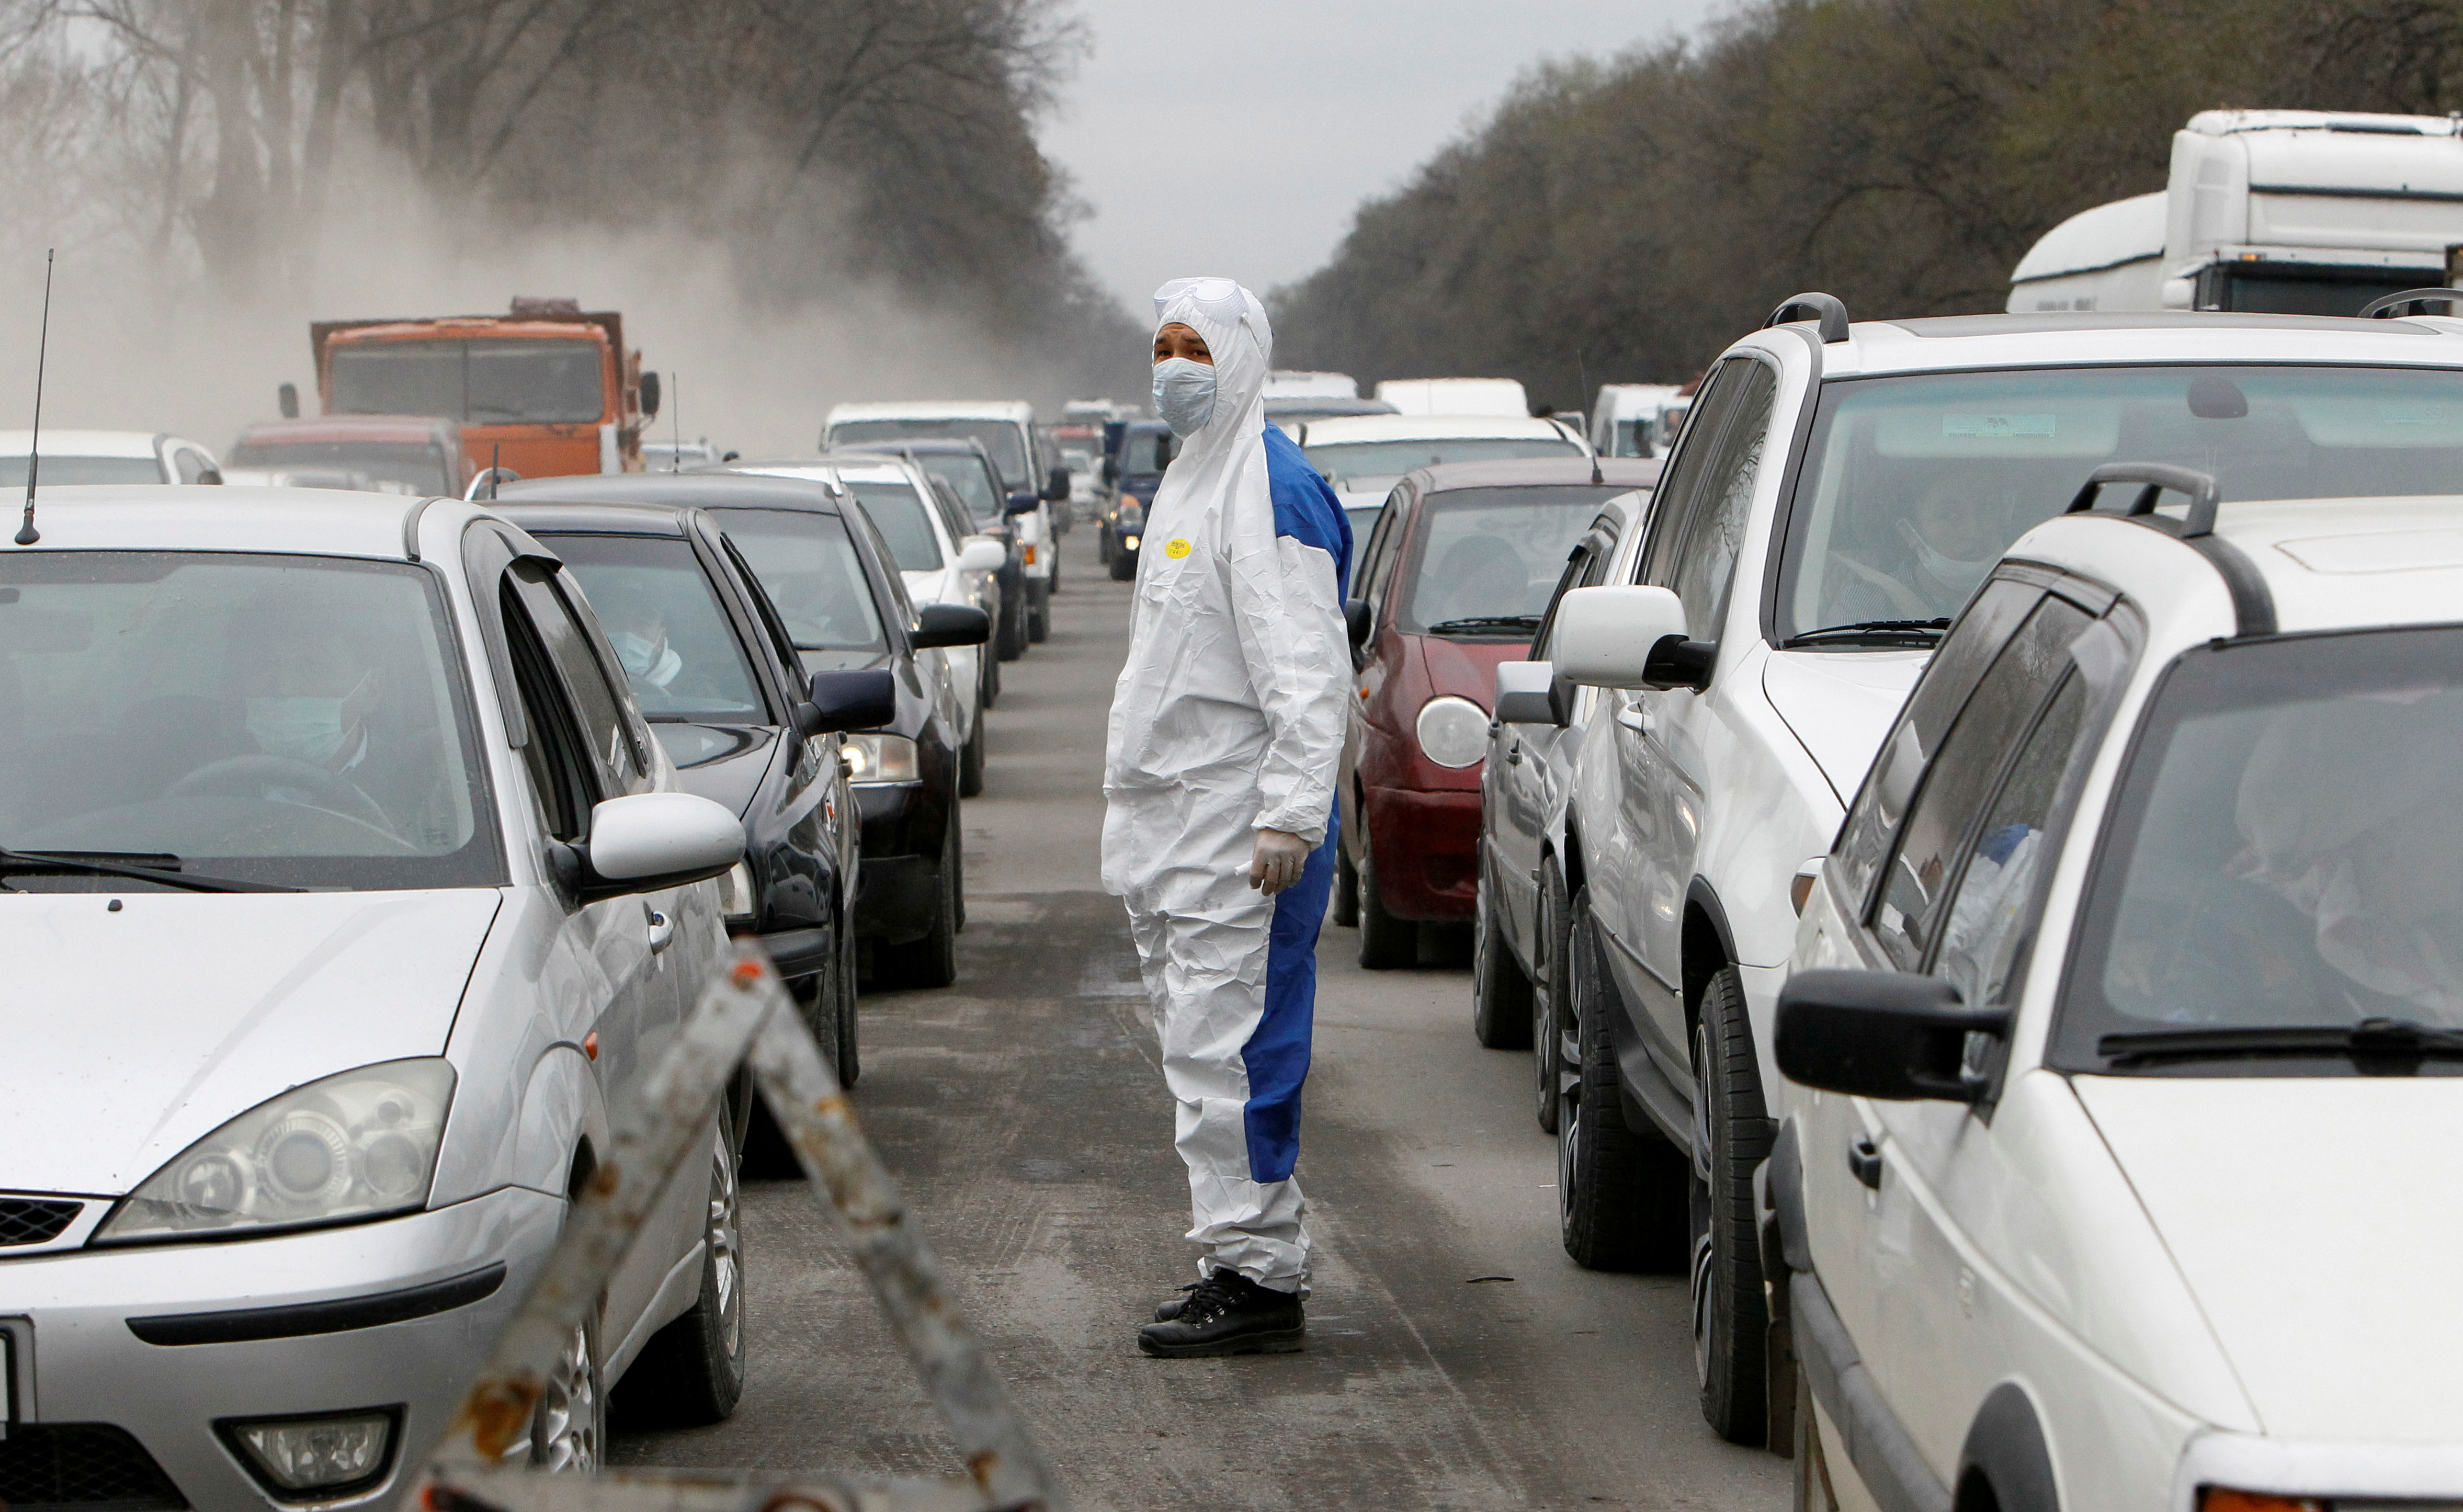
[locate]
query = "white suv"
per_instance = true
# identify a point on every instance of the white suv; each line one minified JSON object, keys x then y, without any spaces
{"x":2116,"y":1160}
{"x":1838,"y":493}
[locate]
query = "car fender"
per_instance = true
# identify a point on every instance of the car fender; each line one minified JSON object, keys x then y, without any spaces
{"x":2005,"y":1452}
{"x":562,"y":1109}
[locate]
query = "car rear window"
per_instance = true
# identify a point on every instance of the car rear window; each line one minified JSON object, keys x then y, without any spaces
{"x":897,"y":511}
{"x":1002,"y":440}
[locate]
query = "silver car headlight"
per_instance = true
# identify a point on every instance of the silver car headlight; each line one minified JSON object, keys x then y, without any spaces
{"x":353,"y":1146}
{"x":874,"y":756}
{"x":1453,"y":732}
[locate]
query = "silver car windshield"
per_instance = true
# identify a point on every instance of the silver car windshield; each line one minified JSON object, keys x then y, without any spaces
{"x":1912,"y":487}
{"x":2286,"y":849}
{"x":297,"y":720}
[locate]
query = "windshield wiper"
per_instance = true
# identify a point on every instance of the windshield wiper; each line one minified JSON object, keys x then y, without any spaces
{"x":1874,"y":632}
{"x":1481,"y":624}
{"x":2369,"y":1040}
{"x":140,"y":865}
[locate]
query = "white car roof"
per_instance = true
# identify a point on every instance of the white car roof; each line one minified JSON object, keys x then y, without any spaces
{"x":319,"y":522}
{"x":2096,"y":339}
{"x":84,"y":443}
{"x":1017,"y":409}
{"x":2328,"y":565}
{"x":1340,"y":428}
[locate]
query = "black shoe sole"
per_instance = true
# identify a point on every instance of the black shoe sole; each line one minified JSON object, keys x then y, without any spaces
{"x":1265,"y":1341}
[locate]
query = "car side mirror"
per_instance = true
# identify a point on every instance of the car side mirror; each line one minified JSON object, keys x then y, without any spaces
{"x":649,"y":395}
{"x":1024,"y":501}
{"x":982,"y":554}
{"x":951,"y":625}
{"x":1892,"y":1034}
{"x":1055,"y":487}
{"x":1628,"y":636}
{"x":1111,"y":471}
{"x":209,"y":475}
{"x":650,"y":841}
{"x":854,"y":700}
{"x":286,"y":398}
{"x":1526,"y":694}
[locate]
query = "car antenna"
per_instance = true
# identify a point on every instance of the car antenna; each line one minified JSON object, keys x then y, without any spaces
{"x":27,"y":534}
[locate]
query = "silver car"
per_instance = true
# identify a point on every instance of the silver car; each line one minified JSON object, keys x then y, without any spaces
{"x":343,"y":887}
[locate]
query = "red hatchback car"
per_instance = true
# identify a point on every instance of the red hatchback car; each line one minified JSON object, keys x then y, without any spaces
{"x":1452,"y":580}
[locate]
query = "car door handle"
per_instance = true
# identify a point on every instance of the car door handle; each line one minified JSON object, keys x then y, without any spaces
{"x":1864,"y":1160}
{"x":663,"y":929}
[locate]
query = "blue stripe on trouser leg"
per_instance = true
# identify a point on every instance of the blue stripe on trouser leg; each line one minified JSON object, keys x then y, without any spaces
{"x":1277,"y":1051}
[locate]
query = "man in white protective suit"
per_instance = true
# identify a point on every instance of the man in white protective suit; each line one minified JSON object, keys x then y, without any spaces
{"x":1226,"y":730}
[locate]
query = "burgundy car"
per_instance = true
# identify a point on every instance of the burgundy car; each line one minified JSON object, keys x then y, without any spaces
{"x":1452,"y":581}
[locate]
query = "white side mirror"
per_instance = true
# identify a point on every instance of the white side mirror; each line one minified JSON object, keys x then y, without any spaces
{"x":1604,"y":637}
{"x":662,"y":840}
{"x":982,"y":554}
{"x":1525,"y":693}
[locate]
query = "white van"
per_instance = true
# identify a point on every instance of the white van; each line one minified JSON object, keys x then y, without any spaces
{"x":1630,"y":420}
{"x":1454,"y":396}
{"x":1021,"y":452}
{"x":2278,"y":211}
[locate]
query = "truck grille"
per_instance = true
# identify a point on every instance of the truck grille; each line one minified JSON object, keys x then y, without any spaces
{"x":91,"y":1467}
{"x":34,"y":1220}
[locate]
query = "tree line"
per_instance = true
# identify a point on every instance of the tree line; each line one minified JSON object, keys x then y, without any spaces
{"x":1622,"y":220}
{"x":815,"y":140}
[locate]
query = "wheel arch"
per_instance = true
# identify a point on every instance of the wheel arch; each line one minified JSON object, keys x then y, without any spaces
{"x":2005,"y":1465}
{"x":1708,"y":944}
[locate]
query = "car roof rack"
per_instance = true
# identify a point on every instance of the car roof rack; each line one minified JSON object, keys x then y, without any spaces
{"x":2252,"y":605}
{"x":2388,"y":306}
{"x":1824,"y":308}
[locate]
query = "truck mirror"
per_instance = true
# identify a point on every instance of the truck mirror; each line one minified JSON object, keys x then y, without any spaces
{"x":1055,"y":487}
{"x":649,"y":395}
{"x":288,"y":396}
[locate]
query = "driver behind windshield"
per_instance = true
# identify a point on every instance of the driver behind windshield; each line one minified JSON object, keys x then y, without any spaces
{"x":1927,"y":558}
{"x":320,"y":707}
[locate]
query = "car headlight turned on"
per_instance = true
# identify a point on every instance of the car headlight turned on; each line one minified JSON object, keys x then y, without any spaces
{"x":735,"y":895}
{"x":1453,"y":732}
{"x":299,"y":1458}
{"x":1129,"y":542}
{"x":354,"y":1145}
{"x":874,"y":756}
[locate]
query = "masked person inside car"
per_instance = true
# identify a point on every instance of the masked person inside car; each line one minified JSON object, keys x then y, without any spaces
{"x":317,"y":708}
{"x":1219,"y":771}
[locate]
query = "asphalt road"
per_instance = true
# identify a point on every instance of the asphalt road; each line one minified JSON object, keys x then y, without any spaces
{"x":1456,"y":1358}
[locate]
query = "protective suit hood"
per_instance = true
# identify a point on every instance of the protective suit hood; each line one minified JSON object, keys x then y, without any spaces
{"x":1237,"y":331}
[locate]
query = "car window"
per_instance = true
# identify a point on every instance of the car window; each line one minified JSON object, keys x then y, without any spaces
{"x":607,"y":734}
{"x":1681,"y":483}
{"x":411,"y":467}
{"x":1392,"y":521}
{"x":670,"y":633}
{"x":1484,"y":560}
{"x":83,"y":470}
{"x":1144,"y":453}
{"x":1912,"y":487}
{"x":898,"y":513}
{"x":902,"y":608}
{"x":970,"y":478}
{"x":1948,"y":680}
{"x":1585,"y":566}
{"x":808,"y":565}
{"x":1340,"y":462}
{"x":560,"y":774}
{"x":295,"y":719}
{"x":1958,"y":784}
{"x":782,"y":644}
{"x":1713,"y":535}
{"x":1002,"y":440}
{"x":2282,"y":848}
{"x":1993,"y":911}
{"x":953,"y":510}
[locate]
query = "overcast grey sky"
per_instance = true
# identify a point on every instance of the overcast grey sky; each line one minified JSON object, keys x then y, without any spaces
{"x":1238,"y":140}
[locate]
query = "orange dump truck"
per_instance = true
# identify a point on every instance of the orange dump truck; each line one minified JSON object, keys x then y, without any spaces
{"x":545,"y":391}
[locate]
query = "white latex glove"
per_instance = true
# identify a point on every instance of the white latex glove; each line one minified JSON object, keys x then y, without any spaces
{"x":1278,"y":862}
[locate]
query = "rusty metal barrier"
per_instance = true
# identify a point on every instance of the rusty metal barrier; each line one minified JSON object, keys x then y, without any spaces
{"x":744,"y":1012}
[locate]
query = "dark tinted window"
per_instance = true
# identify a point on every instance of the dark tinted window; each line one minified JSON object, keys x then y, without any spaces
{"x":809,"y":569}
{"x":671,"y":635}
{"x":1992,"y":912}
{"x":500,"y":381}
{"x":897,"y":511}
{"x":1715,"y":527}
{"x":1672,"y":505}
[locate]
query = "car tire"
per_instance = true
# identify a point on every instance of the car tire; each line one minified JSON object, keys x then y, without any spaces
{"x":1621,"y":1197}
{"x":1346,"y":891}
{"x":1103,"y":545}
{"x":695,"y":1363}
{"x":1548,"y":1016}
{"x":1731,"y":1135}
{"x":971,"y":761}
{"x":849,"y":1065}
{"x":1125,"y":567}
{"x":821,"y":1003}
{"x":1038,"y":613}
{"x":931,"y":961}
{"x":1500,"y":993}
{"x":1011,"y":643}
{"x":1386,"y":942}
{"x":569,"y":1425}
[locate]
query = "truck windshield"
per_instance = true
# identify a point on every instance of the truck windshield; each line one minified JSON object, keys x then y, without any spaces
{"x":417,"y":468}
{"x":2301,"y":289}
{"x":1912,"y":487}
{"x":285,"y":719}
{"x":1143,"y":453}
{"x":499,"y":380}
{"x":898,"y":513}
{"x":1000,"y":438}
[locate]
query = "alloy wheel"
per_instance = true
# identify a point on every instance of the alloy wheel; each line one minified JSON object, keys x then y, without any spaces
{"x":564,"y":1436}
{"x":725,"y":1243}
{"x":1702,"y":1276}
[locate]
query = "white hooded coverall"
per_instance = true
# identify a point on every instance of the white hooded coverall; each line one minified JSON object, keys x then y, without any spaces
{"x":1228,"y":719}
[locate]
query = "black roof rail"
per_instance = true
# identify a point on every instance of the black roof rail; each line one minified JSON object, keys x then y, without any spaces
{"x":2252,"y":605}
{"x":1822,"y":307}
{"x":2385,"y":307}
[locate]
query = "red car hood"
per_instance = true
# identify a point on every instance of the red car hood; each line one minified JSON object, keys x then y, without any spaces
{"x":1466,"y":671}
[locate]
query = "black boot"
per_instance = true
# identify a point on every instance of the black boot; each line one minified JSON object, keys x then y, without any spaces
{"x":1227,"y":1313}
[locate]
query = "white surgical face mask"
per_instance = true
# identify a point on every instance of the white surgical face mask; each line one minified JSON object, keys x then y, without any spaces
{"x":653,"y":662}
{"x":302,"y":728}
{"x":1184,"y":394}
{"x":1948,"y":571}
